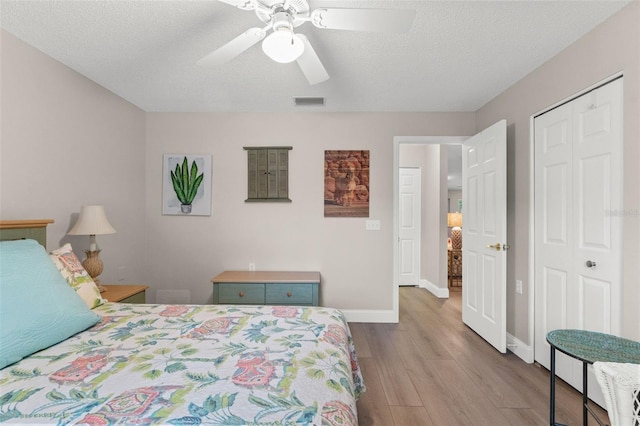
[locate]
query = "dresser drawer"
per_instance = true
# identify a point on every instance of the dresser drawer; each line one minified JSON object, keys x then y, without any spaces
{"x":266,"y":288}
{"x":240,"y":293}
{"x":289,"y":294}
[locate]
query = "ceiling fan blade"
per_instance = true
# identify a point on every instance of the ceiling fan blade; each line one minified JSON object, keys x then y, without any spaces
{"x":378,"y":20}
{"x":232,"y":49}
{"x":310,"y":64}
{"x":240,"y":4}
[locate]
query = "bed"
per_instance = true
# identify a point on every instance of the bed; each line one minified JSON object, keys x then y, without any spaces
{"x":175,"y":364}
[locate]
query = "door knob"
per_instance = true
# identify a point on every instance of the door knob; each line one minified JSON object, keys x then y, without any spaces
{"x":496,"y":246}
{"x":590,"y":264}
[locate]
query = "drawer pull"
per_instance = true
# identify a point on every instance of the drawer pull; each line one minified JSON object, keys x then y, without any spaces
{"x":241,"y":294}
{"x":289,"y":294}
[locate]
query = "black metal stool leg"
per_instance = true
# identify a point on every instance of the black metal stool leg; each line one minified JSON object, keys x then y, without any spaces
{"x":585,"y":394}
{"x":552,"y":391}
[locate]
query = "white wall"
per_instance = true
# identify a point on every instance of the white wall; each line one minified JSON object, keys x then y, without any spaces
{"x":67,"y":142}
{"x":428,"y":158}
{"x":356,"y":265}
{"x":442,"y":252}
{"x":612,"y":47}
{"x":64,"y":142}
{"x":454,"y":198}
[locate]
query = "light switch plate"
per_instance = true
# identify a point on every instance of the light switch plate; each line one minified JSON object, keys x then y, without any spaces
{"x":519,"y":286}
{"x":372,"y":225}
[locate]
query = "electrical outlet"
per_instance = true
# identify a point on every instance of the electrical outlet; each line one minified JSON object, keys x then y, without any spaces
{"x":252,"y":266}
{"x":519,"y":286}
{"x":121,"y":273}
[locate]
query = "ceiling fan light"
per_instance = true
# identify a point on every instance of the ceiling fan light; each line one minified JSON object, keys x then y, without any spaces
{"x":283,"y":46}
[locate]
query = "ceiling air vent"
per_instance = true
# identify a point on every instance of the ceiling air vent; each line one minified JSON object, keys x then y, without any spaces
{"x":309,"y":101}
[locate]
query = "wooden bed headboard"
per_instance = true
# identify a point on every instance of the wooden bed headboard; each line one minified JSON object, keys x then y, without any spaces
{"x":35,"y":229}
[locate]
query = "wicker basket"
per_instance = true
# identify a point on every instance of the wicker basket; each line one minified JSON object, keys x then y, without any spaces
{"x":620,"y":385}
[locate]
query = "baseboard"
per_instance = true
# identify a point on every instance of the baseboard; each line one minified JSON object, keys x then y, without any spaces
{"x":365,"y":315}
{"x":441,"y":293}
{"x":520,"y":349}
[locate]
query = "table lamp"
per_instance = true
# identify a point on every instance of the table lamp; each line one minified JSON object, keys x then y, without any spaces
{"x":92,"y":221}
{"x":454,"y":221}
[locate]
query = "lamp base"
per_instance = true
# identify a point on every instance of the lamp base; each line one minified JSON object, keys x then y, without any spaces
{"x":456,"y":237}
{"x":93,"y":265}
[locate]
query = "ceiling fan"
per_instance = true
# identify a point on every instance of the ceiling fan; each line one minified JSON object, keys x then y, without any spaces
{"x":284,"y":45}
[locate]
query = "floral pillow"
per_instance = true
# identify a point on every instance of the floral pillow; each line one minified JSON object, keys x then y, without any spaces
{"x":72,"y":270}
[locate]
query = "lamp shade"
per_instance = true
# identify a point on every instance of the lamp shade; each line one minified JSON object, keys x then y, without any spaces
{"x":283,"y":46}
{"x":454,"y":219}
{"x":92,"y":221}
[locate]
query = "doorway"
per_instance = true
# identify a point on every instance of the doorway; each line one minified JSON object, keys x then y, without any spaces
{"x":439,"y":285}
{"x":484,"y":194}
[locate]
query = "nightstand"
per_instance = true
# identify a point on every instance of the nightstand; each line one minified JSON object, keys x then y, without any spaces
{"x":125,"y":293}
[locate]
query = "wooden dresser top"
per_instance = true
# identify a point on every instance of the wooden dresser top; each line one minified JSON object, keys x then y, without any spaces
{"x":267,"y":277}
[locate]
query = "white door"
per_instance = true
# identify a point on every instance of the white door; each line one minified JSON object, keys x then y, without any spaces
{"x":578,"y":193}
{"x":409,"y":224}
{"x":484,"y":234}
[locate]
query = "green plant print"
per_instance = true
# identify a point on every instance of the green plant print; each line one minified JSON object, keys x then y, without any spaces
{"x":186,"y":182}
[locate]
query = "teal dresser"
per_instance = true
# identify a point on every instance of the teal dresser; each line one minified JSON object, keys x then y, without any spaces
{"x":266,"y":288}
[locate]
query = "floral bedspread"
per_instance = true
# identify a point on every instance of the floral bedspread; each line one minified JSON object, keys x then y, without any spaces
{"x":189,"y":365}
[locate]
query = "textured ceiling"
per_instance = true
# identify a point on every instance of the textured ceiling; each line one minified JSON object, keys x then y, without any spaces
{"x":457,"y":56}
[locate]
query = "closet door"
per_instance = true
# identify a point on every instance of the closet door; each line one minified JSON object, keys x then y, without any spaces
{"x":578,"y":191}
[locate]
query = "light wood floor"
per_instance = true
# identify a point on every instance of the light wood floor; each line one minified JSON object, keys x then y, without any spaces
{"x":431,"y":369}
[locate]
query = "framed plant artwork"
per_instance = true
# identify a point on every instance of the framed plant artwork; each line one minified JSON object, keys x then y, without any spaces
{"x":346,"y":183}
{"x":186,"y":185}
